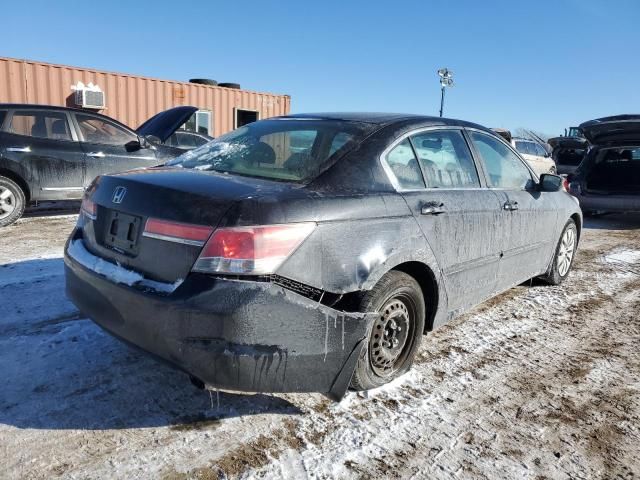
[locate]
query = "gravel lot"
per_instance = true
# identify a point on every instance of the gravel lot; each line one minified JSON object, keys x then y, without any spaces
{"x":539,"y":382}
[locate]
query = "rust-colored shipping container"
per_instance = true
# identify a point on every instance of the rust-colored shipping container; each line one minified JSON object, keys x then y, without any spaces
{"x":132,"y":99}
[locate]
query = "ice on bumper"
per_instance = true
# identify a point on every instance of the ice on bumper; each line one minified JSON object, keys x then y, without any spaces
{"x":252,"y":336}
{"x":114,"y":272}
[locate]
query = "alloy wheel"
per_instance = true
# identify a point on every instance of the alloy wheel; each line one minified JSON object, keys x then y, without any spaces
{"x":566,"y":251}
{"x":7,"y":202}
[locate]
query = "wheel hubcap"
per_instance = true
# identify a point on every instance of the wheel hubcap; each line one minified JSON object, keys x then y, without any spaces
{"x":565,"y":252}
{"x":389,"y":337}
{"x":7,"y":202}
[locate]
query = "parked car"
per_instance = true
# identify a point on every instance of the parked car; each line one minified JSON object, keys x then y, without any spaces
{"x":534,"y":153}
{"x":53,"y":153}
{"x":608,"y":179}
{"x":186,"y":140}
{"x":568,"y":150}
{"x":291,"y":269}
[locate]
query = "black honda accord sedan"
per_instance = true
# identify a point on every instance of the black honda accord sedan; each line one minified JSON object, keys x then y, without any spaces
{"x":312,"y":252}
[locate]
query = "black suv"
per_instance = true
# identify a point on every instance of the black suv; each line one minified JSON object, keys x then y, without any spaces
{"x":53,"y":153}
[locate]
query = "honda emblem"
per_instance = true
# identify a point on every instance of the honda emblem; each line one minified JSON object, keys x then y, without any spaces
{"x":118,"y":194}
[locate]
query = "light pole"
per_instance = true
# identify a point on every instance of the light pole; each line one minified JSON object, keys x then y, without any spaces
{"x":446,"y":80}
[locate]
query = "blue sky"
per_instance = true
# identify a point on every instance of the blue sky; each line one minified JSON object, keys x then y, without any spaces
{"x":543,"y":65}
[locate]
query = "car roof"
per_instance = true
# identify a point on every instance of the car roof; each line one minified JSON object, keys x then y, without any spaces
{"x":383,"y":119}
{"x":37,"y":106}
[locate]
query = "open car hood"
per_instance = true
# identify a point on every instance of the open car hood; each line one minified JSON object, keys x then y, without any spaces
{"x":163,"y":124}
{"x":616,"y":129}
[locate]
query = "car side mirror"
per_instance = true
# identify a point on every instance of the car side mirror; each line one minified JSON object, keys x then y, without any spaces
{"x":133,"y":145}
{"x":549,"y":183}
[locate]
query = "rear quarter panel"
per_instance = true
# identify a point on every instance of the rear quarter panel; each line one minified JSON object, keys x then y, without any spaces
{"x":358,"y":238}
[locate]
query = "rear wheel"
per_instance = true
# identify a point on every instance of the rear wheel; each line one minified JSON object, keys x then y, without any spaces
{"x":563,"y":258}
{"x":396,"y":333}
{"x":12,"y":201}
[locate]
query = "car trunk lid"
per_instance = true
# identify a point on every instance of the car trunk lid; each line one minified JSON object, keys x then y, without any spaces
{"x":126,"y":202}
{"x":615,"y":129}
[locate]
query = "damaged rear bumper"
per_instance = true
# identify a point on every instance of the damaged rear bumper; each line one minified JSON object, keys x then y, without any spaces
{"x":231,"y":334}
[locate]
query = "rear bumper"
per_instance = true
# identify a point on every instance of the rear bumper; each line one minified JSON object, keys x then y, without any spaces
{"x":235,"y":335}
{"x":609,"y":203}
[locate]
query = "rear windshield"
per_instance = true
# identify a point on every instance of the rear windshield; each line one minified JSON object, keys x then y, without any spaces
{"x":285,"y":149}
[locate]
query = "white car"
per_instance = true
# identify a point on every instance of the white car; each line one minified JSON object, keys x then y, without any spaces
{"x":535,"y":155}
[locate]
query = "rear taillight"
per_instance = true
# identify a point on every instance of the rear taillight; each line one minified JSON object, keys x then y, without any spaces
{"x":186,"y":233}
{"x":88,"y":208}
{"x":258,"y":250}
{"x":565,"y":184}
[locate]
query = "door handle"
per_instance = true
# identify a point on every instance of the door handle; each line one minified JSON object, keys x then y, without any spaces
{"x":96,"y":154}
{"x":432,"y":208}
{"x":19,"y":149}
{"x":511,"y":206}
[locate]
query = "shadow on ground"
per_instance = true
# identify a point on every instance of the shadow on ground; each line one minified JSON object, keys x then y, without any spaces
{"x":61,"y":371}
{"x":614,"y":221}
{"x":46,"y":209}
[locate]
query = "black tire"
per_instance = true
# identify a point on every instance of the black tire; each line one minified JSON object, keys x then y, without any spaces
{"x":16,"y":200}
{"x":229,"y":85}
{"x":556,"y":275}
{"x":399,"y":300}
{"x":203,"y":81}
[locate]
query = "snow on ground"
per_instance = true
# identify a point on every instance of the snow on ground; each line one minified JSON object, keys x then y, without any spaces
{"x":538,"y":382}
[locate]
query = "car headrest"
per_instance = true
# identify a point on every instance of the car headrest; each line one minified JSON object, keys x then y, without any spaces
{"x":39,"y":128}
{"x":614,"y":155}
{"x":432,"y":143}
{"x":263,"y":153}
{"x":59,"y":127}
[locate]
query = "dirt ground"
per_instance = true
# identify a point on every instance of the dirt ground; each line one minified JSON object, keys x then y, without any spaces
{"x":540,"y":382}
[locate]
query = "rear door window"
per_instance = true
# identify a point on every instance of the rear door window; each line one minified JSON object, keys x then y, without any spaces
{"x":523,"y":148}
{"x":3,"y":115}
{"x":445,"y":159}
{"x":98,"y":130}
{"x":504,"y":167}
{"x":404,"y":165}
{"x":40,"y":124}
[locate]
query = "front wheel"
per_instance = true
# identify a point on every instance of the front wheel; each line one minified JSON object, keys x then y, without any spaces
{"x":396,"y":332}
{"x":563,"y":258}
{"x":12,"y":201}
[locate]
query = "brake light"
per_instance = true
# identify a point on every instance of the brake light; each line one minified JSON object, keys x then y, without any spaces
{"x":565,"y":184}
{"x":258,"y":250}
{"x":186,"y":233}
{"x":88,"y":207}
